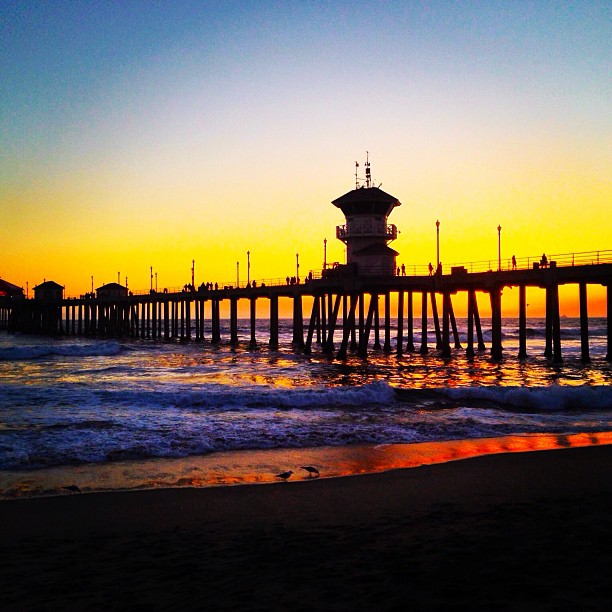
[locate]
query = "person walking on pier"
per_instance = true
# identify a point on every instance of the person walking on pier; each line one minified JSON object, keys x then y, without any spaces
{"x":403,"y":270}
{"x":514,"y":262}
{"x":430,"y":269}
{"x":544,"y":260}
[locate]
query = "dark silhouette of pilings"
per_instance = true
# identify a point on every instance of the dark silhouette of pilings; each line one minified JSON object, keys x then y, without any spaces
{"x":353,"y":302}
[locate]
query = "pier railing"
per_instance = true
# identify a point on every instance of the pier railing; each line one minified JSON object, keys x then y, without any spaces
{"x":578,"y":258}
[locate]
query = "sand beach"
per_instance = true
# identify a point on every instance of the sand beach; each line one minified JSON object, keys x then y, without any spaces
{"x":517,"y":531}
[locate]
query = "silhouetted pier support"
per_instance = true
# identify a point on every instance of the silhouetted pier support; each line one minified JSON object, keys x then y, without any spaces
{"x":609,"y":321}
{"x":387,"y":345}
{"x":522,"y":322}
{"x":410,"y":330}
{"x":445,"y":349}
{"x":253,"y":317}
{"x":298,"y":322}
{"x":496,"y":324}
{"x":434,"y":311}
{"x":273,"y":343}
{"x":424,"y":348}
{"x":584,"y":324}
{"x":400,"y":324}
{"x":553,"y":324}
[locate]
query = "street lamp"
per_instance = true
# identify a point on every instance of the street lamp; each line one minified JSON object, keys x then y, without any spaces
{"x":248,"y":267}
{"x":156,"y":282}
{"x":437,"y":244}
{"x":325,"y":253}
{"x":237,"y":274}
{"x":499,"y":248}
{"x":297,"y":267}
{"x":193,"y":273}
{"x":151,"y":283}
{"x":92,"y":284}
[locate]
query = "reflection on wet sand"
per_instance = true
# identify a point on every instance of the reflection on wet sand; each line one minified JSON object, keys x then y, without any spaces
{"x":261,"y":466}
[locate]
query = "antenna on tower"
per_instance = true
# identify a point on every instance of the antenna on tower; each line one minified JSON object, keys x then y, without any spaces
{"x":356,"y":177}
{"x":367,"y":169}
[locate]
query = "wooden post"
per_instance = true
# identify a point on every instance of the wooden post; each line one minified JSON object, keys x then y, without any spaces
{"x":399,"y":349}
{"x":364,"y":339}
{"x":166,"y":319}
{"x":496,"y":318}
{"x":215,"y":321}
{"x":331,"y":328}
{"x":453,"y":322}
{"x":556,"y":326}
{"x":584,"y":324}
{"x":350,"y":325}
{"x":609,"y":321}
{"x":376,"y":346}
{"x":522,"y":322}
{"x":446,"y":352}
{"x":434,"y":309}
{"x":298,"y":321}
{"x":424,"y":348}
{"x":481,"y":344}
{"x":314,"y":318}
{"x":233,"y":321}
{"x":323,"y":315}
{"x":361,"y":316}
{"x":273,"y":343}
{"x":549,"y":316}
{"x":253,"y":313}
{"x":387,"y":345}
{"x":410,"y":343}
{"x":469,"y":351}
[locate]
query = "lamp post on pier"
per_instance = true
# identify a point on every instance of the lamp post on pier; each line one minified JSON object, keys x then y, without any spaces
{"x":325,"y":253}
{"x":193,"y":273}
{"x":297,"y":267}
{"x":237,"y":274}
{"x":92,"y":285}
{"x":151,"y":283}
{"x":248,"y":267}
{"x":156,"y":282}
{"x":499,"y":248}
{"x":437,"y":244}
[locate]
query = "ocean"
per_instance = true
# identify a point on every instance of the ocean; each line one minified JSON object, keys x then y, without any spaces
{"x":115,"y":414}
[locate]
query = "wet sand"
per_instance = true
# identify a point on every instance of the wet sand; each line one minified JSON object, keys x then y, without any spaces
{"x":519,"y":531}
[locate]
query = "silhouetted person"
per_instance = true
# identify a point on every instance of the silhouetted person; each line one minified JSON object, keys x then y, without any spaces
{"x":288,"y":279}
{"x":403,"y":270}
{"x":544,"y":260}
{"x":430,"y":269}
{"x":398,"y":271}
{"x":514,"y":262}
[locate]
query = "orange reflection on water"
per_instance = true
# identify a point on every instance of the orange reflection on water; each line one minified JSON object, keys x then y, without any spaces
{"x":262,"y":466}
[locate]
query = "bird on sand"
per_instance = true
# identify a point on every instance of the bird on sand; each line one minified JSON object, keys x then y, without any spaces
{"x":284,"y":476}
{"x":312,"y":471}
{"x":72,"y":489}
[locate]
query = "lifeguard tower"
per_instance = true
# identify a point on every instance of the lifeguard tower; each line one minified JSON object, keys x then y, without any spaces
{"x":366,"y":232}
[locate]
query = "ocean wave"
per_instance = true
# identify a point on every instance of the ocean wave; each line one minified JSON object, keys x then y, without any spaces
{"x":100,"y":349}
{"x":553,"y":398}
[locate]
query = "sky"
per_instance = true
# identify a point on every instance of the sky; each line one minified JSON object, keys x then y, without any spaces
{"x":153,"y":134}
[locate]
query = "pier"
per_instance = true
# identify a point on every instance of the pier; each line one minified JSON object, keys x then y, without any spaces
{"x":346,"y":312}
{"x":339,"y":309}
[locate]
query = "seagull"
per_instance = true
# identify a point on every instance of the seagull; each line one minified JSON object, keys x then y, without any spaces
{"x":284,"y":476}
{"x":312,"y":471}
{"x":72,"y":489}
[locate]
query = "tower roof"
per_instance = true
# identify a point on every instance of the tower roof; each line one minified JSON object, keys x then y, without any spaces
{"x":366,"y":200}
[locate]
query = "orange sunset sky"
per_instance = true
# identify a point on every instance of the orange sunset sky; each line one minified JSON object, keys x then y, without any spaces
{"x":138,"y":134}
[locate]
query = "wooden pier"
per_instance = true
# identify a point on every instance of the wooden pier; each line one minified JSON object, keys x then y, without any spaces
{"x":349,"y":313}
